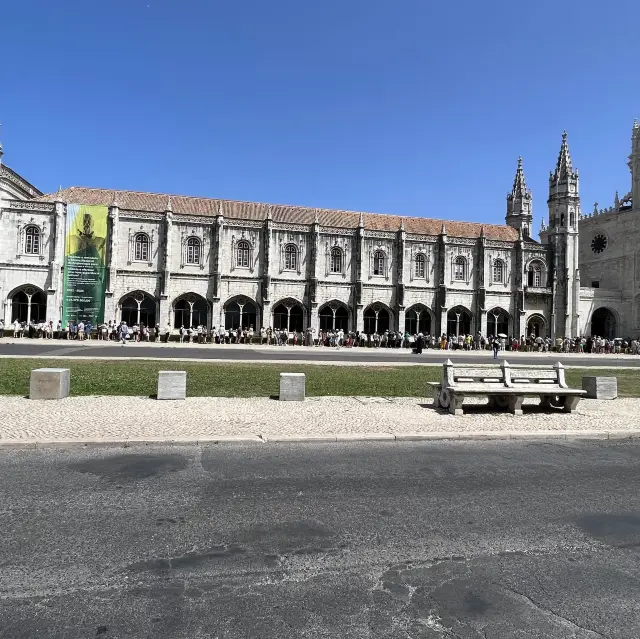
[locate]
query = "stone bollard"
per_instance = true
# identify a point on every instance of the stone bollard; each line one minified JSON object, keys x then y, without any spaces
{"x":292,"y":387}
{"x":172,"y":385}
{"x":49,"y":383}
{"x":600,"y":387}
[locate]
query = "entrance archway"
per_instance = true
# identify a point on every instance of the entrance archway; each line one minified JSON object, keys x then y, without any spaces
{"x":288,"y":316}
{"x":29,"y":305}
{"x":497,"y":322}
{"x":334,"y":317}
{"x":417,"y":319}
{"x":603,"y":323}
{"x":190,"y":311}
{"x":376,"y":319}
{"x":240,"y":313}
{"x":536,"y":326}
{"x":138,"y":308}
{"x":459,"y":321}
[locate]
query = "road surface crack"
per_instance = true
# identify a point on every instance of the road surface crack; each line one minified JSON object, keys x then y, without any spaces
{"x":549,"y":613}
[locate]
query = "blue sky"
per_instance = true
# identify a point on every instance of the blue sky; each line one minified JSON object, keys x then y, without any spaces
{"x":411,"y":107}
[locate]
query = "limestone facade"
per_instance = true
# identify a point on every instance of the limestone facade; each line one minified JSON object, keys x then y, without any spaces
{"x":176,"y":260}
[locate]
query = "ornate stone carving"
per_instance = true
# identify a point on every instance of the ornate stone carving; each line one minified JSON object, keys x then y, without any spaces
{"x":383,"y":235}
{"x":326,"y":230}
{"x":19,"y":205}
{"x":416,"y":237}
{"x":305,"y":228}
{"x":140,"y":215}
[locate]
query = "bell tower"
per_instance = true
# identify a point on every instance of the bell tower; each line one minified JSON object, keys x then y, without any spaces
{"x":519,"y":212}
{"x":564,"y":213}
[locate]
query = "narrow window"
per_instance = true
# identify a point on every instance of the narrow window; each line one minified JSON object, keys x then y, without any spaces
{"x":242,"y":254}
{"x":141,"y":247}
{"x":336,"y":260}
{"x":460,"y":269}
{"x":420,"y":266}
{"x":378,"y":263}
{"x":498,"y":271}
{"x":32,"y":240}
{"x":290,"y":258}
{"x":193,"y":250}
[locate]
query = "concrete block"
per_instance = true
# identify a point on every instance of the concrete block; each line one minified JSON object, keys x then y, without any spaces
{"x":172,"y":385}
{"x":600,"y":387}
{"x":292,"y":387}
{"x":49,"y":383}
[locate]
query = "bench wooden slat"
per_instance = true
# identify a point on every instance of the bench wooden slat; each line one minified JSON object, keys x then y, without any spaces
{"x":533,"y":373}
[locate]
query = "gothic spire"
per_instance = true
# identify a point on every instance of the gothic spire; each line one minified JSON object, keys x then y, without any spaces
{"x":564,"y":168}
{"x":520,"y":190}
{"x":361,"y":221}
{"x":269,"y":216}
{"x":169,"y":204}
{"x":401,"y":224}
{"x":316,"y":219}
{"x":443,"y":230}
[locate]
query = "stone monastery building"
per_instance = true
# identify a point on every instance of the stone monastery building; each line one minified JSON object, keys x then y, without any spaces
{"x":179,"y":260}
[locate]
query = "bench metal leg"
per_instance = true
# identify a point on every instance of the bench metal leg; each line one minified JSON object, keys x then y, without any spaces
{"x":455,"y":406}
{"x":570,"y":403}
{"x":515,"y":404}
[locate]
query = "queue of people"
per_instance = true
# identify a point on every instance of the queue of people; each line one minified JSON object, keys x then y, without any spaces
{"x":337,"y":338}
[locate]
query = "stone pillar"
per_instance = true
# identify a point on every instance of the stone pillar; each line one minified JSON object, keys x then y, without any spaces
{"x":267,"y":232}
{"x":58,"y":233}
{"x":358,"y":311}
{"x":112,"y":265}
{"x":218,"y":230}
{"x":313,"y":275}
{"x":443,"y":321}
{"x":483,"y":323}
{"x":164,"y":305}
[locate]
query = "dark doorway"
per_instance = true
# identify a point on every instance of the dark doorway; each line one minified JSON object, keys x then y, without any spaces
{"x":603,"y":323}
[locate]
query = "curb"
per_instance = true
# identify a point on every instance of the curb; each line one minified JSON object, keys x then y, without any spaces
{"x":323,"y":439}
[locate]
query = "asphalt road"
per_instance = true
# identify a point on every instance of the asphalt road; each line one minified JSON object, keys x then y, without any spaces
{"x":487,"y":540}
{"x":35,"y":348}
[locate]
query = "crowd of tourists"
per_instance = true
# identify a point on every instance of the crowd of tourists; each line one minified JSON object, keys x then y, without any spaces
{"x":123,"y":333}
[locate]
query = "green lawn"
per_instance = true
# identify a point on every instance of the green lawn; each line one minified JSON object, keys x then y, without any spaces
{"x":138,"y":377}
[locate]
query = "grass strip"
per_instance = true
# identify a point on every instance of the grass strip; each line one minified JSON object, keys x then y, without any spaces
{"x":135,"y":377}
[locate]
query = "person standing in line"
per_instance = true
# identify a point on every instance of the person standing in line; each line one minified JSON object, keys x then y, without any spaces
{"x":495,"y":343}
{"x":123,"y":331}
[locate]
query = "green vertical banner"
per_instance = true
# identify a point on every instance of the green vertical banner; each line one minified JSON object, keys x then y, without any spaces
{"x":85,"y":264}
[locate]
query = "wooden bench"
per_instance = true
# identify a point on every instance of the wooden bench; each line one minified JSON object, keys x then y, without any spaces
{"x":506,"y":387}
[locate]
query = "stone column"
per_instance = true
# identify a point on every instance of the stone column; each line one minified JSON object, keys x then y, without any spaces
{"x":218,"y":230}
{"x":164,"y":306}
{"x":313,"y":275}
{"x":400,"y":290}
{"x":358,"y":314}
{"x":443,"y":321}
{"x":55,"y":291}
{"x":112,"y":260}
{"x":267,"y":232}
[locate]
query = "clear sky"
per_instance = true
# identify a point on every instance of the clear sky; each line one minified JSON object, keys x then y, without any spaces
{"x":413,"y":107}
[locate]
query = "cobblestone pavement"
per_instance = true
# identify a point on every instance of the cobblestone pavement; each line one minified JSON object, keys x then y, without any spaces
{"x":95,"y":418}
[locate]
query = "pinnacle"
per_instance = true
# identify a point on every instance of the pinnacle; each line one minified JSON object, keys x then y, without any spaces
{"x":519,"y":183}
{"x":564,"y":167}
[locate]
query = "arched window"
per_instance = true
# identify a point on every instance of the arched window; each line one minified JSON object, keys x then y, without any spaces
{"x":190,"y":312}
{"x":193,"y":250}
{"x":32,"y":240}
{"x":243,"y":254}
{"x":240,"y":314}
{"x":290,"y":257}
{"x":498,"y":271}
{"x":534,"y":274}
{"x":497,"y":322}
{"x":458,"y":321}
{"x":378,"y":263}
{"x":460,"y":269}
{"x":141,"y":247}
{"x":336,"y":260}
{"x":420,"y":266}
{"x":376,"y":320}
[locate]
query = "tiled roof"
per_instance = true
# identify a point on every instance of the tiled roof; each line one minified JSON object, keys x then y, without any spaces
{"x":208,"y":207}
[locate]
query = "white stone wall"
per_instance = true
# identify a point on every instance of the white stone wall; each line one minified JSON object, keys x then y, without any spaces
{"x":148,"y":277}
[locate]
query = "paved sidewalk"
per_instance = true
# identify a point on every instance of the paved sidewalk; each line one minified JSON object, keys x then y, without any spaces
{"x":257,"y":347}
{"x":119,"y":419}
